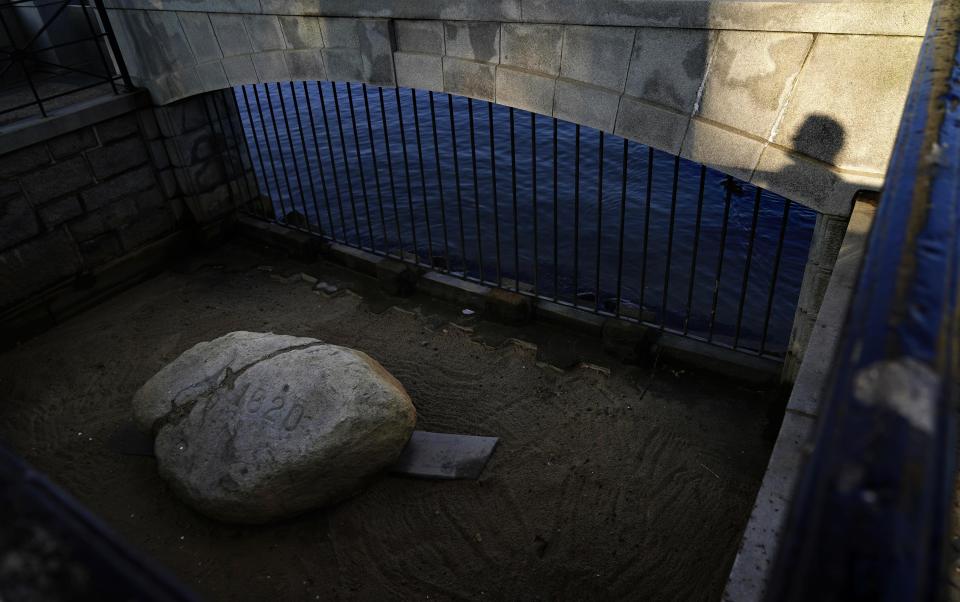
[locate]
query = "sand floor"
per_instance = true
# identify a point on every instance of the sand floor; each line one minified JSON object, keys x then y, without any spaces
{"x":592,"y":493}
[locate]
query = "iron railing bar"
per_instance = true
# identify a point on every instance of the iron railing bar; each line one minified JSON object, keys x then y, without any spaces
{"x":53,"y":97}
{"x":496,"y":202}
{"x":728,"y":184}
{"x":114,"y":45}
{"x":356,"y":149}
{"x":443,"y":209}
{"x":59,"y":45}
{"x":346,"y":162}
{"x":623,"y":219}
{"x":306,"y":155}
{"x":323,"y":177}
{"x":669,"y":258}
{"x":456,"y":173}
{"x":376,"y":164}
{"x":556,"y":218}
{"x":646,"y":229}
{"x":576,"y":218}
{"x":276,"y":132}
{"x":423,"y":177}
{"x":333,"y":163}
{"x":746,"y":268}
{"x":696,"y":244}
{"x":596,"y":288}
{"x":516,"y":221}
{"x":476,"y":188}
{"x":533,"y":194}
{"x":393,"y":188}
{"x":48,"y":21}
{"x":776,"y":273}
{"x":406,"y":171}
{"x":293,"y":155}
{"x":84,"y":4}
{"x":256,"y":142}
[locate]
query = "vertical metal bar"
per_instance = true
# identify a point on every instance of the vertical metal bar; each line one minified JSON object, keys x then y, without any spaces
{"x":95,"y":35}
{"x":776,"y":272}
{"x":323,"y":177}
{"x":363,"y":177}
{"x":376,"y":164}
{"x":393,"y":188}
{"x":723,"y":247}
{"x":596,"y":288}
{"x":556,"y":220}
{"x":276,"y":135}
{"x":576,"y":218}
{"x":333,"y":164}
{"x":306,"y":157}
{"x":673,"y":213}
{"x":423,"y":177}
{"x":646,"y":229}
{"x":293,"y":156}
{"x":456,"y":172}
{"x":476,"y":187}
{"x":436,"y":156}
{"x":516,"y":225}
{"x":533,"y":184}
{"x":346,"y":164}
{"x":696,"y":243}
{"x":496,"y":203}
{"x":623,"y":219}
{"x":114,"y":46}
{"x":256,"y":142}
{"x":746,"y":268}
{"x":406,"y":169}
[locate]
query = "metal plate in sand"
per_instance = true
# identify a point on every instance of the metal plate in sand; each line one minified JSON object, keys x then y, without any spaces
{"x":444,"y":456}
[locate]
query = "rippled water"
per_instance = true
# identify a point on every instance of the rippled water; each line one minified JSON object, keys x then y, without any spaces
{"x":445,"y":205}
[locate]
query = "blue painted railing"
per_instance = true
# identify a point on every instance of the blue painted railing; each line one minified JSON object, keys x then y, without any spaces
{"x":871,"y":515}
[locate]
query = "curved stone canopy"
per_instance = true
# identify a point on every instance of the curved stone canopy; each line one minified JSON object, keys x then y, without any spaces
{"x":801,"y":98}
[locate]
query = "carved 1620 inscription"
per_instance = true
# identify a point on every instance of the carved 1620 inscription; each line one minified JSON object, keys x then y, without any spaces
{"x":277,"y":409}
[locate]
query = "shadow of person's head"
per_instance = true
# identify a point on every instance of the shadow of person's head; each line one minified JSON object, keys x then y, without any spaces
{"x":821,"y":137}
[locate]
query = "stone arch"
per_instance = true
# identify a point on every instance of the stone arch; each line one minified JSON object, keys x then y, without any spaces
{"x":733,"y":90}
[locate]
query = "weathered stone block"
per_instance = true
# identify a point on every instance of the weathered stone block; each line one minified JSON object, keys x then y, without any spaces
{"x":265,"y":33}
{"x":59,"y":179}
{"x":597,"y":55}
{"x":118,"y":157}
{"x":586,"y":105}
{"x":183,"y":116}
{"x":508,"y":307}
{"x":525,"y":90}
{"x":376,"y":49}
{"x":148,"y":226}
{"x":70,"y":144}
{"x":305,"y":65}
{"x":271,"y":67}
{"x":17,"y":222}
{"x":302,"y":32}
{"x":56,"y":212}
{"x":420,"y":36}
{"x":232,"y":34}
{"x":24,"y":159}
{"x":199,"y":32}
{"x":421,"y":71}
{"x":212,"y":76}
{"x":343,"y":64}
{"x":396,"y":277}
{"x":148,"y":124}
{"x":750,"y":78}
{"x":340,"y":33}
{"x":850,"y":126}
{"x":652,"y":125}
{"x":667,"y":66}
{"x":468,"y":78}
{"x":111,"y":217}
{"x":472,"y":40}
{"x":240,"y":70}
{"x":532,"y":46}
{"x":123,"y":185}
{"x":36,"y":264}
{"x":730,"y":152}
{"x":100,"y":250}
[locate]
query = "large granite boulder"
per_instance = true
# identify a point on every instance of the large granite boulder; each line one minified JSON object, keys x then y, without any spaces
{"x":253,"y":427}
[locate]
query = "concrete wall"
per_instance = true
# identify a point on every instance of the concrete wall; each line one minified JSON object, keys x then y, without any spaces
{"x":801,"y":98}
{"x":93,"y":186}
